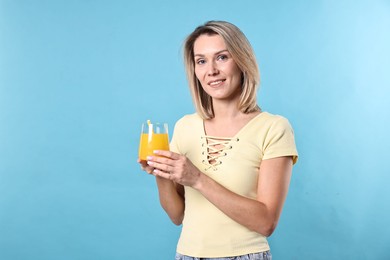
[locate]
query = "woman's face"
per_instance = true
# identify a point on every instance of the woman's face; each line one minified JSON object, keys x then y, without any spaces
{"x":215,"y":68}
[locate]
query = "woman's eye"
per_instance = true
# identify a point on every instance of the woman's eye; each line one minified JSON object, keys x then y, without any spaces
{"x":222,"y":57}
{"x":200,"y":61}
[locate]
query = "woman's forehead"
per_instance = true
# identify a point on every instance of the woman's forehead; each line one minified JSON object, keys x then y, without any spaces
{"x":209,"y":45}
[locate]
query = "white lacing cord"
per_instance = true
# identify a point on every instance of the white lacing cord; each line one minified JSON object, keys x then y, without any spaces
{"x":215,"y":147}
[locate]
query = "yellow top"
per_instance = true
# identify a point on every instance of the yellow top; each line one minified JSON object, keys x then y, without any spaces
{"x":234,"y":163}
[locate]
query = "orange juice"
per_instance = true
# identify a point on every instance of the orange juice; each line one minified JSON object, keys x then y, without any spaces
{"x":151,"y":142}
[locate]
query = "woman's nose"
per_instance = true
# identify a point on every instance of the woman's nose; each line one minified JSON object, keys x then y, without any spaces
{"x":212,"y":69}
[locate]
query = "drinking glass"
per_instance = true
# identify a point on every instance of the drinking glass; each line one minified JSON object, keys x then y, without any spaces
{"x":154,"y":136}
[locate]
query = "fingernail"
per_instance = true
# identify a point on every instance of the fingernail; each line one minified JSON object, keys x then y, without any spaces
{"x":149,"y":158}
{"x":156,"y":151}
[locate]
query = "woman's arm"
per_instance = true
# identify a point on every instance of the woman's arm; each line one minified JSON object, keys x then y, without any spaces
{"x":260,"y":215}
{"x":171,"y":195}
{"x":171,"y":199}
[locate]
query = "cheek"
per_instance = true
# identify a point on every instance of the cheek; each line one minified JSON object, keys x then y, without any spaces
{"x":198,"y":75}
{"x":235,"y":70}
{"x":237,"y":74}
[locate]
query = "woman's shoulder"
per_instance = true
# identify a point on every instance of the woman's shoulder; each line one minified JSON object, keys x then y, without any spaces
{"x":267,"y":118}
{"x":189,"y":120}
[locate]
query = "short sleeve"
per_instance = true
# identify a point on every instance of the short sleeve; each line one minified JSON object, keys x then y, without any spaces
{"x":280,"y":141}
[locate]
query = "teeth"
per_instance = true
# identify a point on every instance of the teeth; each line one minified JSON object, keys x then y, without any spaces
{"x":215,"y":82}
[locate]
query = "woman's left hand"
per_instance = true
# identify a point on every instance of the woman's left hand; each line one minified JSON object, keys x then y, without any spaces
{"x":175,"y":167}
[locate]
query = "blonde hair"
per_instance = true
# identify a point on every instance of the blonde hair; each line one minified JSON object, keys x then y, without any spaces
{"x":242,"y":53}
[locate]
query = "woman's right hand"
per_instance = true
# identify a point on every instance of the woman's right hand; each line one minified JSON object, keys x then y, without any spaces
{"x":145,"y":167}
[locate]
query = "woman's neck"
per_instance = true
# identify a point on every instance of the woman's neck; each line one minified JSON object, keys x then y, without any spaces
{"x":225,"y":110}
{"x":228,"y":121}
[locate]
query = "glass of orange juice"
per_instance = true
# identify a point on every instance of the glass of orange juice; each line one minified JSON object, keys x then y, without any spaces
{"x":154,"y":136}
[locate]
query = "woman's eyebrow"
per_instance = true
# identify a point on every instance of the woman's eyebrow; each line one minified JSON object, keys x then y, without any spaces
{"x":202,"y":55}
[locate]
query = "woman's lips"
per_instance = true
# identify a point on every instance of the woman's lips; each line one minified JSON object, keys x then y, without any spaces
{"x":215,"y":83}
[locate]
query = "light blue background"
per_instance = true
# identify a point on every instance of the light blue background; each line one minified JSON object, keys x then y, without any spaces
{"x":77,"y":78}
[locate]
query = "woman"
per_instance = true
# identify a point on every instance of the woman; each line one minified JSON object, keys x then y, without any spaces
{"x":228,"y":172}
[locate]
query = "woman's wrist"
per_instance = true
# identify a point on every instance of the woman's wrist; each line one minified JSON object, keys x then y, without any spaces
{"x":200,"y":181}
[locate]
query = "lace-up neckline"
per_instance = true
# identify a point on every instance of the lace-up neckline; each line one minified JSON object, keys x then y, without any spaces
{"x":214,"y":148}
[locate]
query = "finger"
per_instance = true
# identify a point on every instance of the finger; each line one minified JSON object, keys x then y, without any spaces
{"x":160,"y":160}
{"x":161,"y":166}
{"x":142,"y":163}
{"x":165,"y":175}
{"x":145,"y":167}
{"x":168,"y":154}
